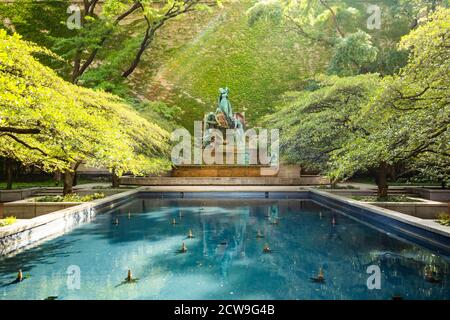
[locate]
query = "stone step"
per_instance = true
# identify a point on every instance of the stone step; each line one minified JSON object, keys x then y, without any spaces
{"x":220,"y":171}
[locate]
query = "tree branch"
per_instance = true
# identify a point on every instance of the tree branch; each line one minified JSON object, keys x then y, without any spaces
{"x":172,"y":12}
{"x":325,"y":4}
{"x":20,"y":130}
{"x":25,"y":144}
{"x":424,"y":147}
{"x":300,"y":30}
{"x":90,"y":59}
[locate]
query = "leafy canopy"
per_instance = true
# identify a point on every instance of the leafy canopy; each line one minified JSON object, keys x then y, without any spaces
{"x":315,"y":123}
{"x":48,"y":122}
{"x":342,"y":27}
{"x":408,"y":120}
{"x":345,"y":125}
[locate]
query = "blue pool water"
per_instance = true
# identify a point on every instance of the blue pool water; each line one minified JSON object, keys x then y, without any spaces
{"x":225,"y":259}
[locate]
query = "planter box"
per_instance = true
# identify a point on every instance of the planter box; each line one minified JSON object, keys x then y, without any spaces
{"x":17,"y":194}
{"x":351,"y":192}
{"x":424,"y":209}
{"x":442,"y":195}
{"x":363,"y":192}
{"x":29,"y":232}
{"x":28,"y":209}
{"x":106,"y":192}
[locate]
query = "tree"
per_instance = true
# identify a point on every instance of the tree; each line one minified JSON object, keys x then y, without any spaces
{"x":37,"y":21}
{"x":50,"y":123}
{"x":352,"y":53}
{"x":336,"y":26}
{"x":409,"y":119}
{"x":341,"y":28}
{"x":315,"y":123}
{"x":155,"y":17}
{"x":101,"y":23}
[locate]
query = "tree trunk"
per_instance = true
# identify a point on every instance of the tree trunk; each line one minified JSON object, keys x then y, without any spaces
{"x":333,"y":184}
{"x":9,"y":165}
{"x":69,"y":177}
{"x":76,"y":66}
{"x":68,"y":182}
{"x":57,"y":177}
{"x":381,"y":180}
{"x":148,"y":38}
{"x":115,"y":180}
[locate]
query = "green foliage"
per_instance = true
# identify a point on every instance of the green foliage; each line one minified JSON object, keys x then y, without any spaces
{"x":352,"y":54}
{"x":33,"y":182}
{"x":72,"y":197}
{"x":340,"y":125}
{"x":103,"y":24}
{"x":444,"y":219}
{"x":25,"y":185}
{"x":107,"y":75}
{"x":7,"y":221}
{"x":408,"y":121}
{"x":355,"y":124}
{"x":390,"y":198}
{"x":338,"y":187}
{"x":38,"y":21}
{"x":257,"y":63}
{"x":165,"y":114}
{"x":271,"y":10}
{"x":342,"y":27}
{"x":388,"y":61}
{"x":50,"y":123}
{"x":315,"y":123}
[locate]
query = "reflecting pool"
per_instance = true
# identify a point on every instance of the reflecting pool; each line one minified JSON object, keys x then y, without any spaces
{"x":225,"y":257}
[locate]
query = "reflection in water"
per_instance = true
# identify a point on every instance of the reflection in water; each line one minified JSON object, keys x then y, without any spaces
{"x":273,"y":211}
{"x":223,"y":238}
{"x":216,"y":250}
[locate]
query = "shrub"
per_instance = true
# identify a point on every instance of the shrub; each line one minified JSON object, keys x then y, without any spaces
{"x":390,"y":198}
{"x":7,"y":221}
{"x":73,"y":197}
{"x":92,"y":197}
{"x":338,"y":187}
{"x":444,"y":219}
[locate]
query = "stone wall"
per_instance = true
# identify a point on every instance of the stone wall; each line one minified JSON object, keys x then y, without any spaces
{"x":27,"y":209}
{"x":230,"y":181}
{"x":18,"y":194}
{"x":422,"y":209}
{"x":442,"y":195}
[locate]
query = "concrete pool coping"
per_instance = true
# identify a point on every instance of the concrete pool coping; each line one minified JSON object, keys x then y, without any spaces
{"x":430,"y":225}
{"x":25,"y":233}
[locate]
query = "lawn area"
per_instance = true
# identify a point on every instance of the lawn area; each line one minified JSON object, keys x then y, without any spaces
{"x":24,"y":185}
{"x":43,"y":183}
